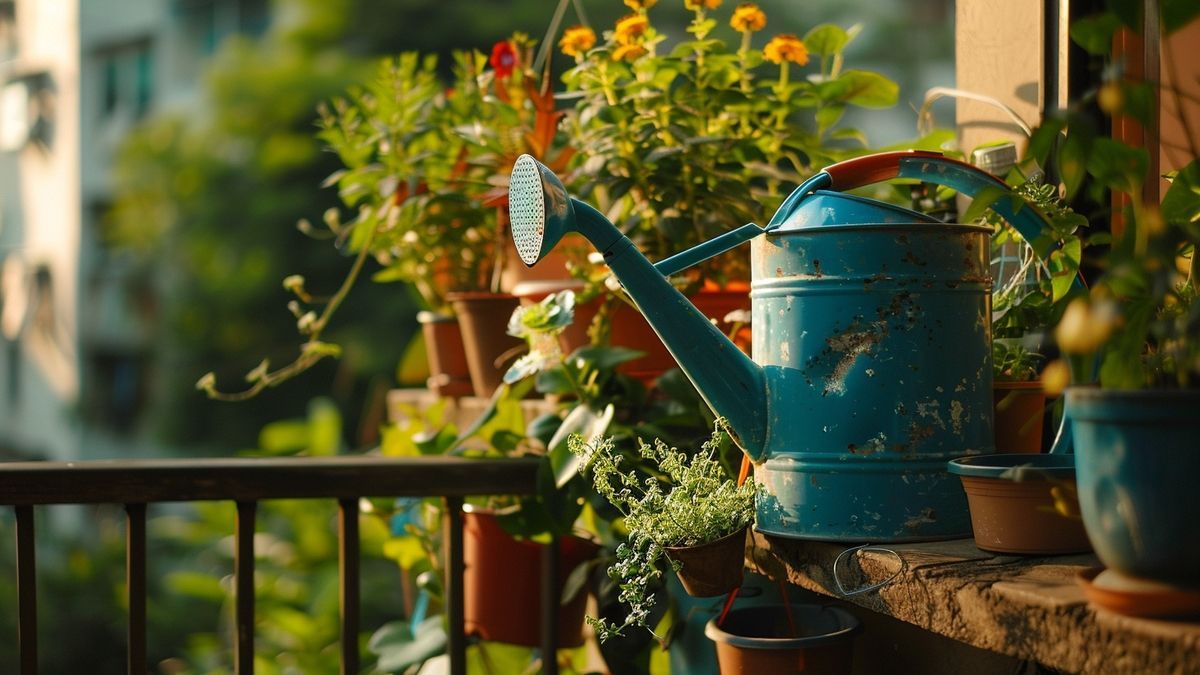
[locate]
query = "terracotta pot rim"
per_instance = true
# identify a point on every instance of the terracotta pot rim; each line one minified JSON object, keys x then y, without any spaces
{"x":848,"y":626}
{"x":1022,"y":385}
{"x":477,"y":295}
{"x":486,"y":511}
{"x":1042,"y":466}
{"x":710,"y":544}
{"x":427,"y":316}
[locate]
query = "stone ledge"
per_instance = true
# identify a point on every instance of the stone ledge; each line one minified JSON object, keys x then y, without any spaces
{"x":1029,"y":608}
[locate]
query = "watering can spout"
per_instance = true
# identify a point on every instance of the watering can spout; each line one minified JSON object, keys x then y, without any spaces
{"x":541,"y":212}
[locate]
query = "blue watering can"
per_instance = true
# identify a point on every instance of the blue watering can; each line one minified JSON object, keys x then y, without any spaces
{"x":872,"y":342}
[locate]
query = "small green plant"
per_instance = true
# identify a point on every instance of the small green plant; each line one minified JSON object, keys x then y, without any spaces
{"x":676,"y":499}
{"x":1012,"y":362}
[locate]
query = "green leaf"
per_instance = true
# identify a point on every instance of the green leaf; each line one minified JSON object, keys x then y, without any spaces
{"x":602,"y":358}
{"x":1116,"y":165}
{"x":196,"y":585}
{"x":1072,"y":164}
{"x":1044,"y":138}
{"x":983,"y":201}
{"x":398,"y":646}
{"x":829,"y":115}
{"x":1181,"y":204}
{"x":1095,"y":33}
{"x":576,"y":580}
{"x":864,"y":88}
{"x":1178,"y":13}
{"x":406,"y":551}
{"x":826,"y":39}
{"x":588,"y":424}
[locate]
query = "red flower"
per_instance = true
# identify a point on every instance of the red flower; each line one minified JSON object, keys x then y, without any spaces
{"x":504,"y":58}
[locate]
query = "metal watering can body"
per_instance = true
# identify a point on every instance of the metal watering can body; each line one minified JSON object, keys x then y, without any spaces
{"x":872,"y":355}
{"x":872,"y":326}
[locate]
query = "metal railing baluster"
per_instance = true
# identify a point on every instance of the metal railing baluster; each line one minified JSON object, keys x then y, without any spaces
{"x":26,"y":591}
{"x":455,"y":613}
{"x":135,"y":585}
{"x":243,"y":563}
{"x":549,"y":608}
{"x":348,"y":582}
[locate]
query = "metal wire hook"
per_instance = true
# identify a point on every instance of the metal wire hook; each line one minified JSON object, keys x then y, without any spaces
{"x":865,"y":589}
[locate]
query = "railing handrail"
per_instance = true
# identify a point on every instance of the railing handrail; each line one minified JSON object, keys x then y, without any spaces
{"x":253,"y":479}
{"x":246,"y":481}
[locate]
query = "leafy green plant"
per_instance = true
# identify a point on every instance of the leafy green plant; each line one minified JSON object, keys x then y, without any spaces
{"x":686,"y":500}
{"x":686,"y":141}
{"x":1012,"y":362}
{"x":1139,"y":326}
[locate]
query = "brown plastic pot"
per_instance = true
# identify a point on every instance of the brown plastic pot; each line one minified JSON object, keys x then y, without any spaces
{"x":449,"y":374}
{"x":1012,"y":503}
{"x":714,"y":568}
{"x":1019,"y":410}
{"x":483,"y":319}
{"x":502,"y":583}
{"x":755,"y":640}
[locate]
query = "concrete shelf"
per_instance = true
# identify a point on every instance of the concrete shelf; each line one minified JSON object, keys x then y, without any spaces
{"x":1025,"y":607}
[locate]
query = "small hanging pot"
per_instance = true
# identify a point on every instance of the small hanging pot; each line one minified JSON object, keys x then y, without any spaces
{"x":711,"y":569}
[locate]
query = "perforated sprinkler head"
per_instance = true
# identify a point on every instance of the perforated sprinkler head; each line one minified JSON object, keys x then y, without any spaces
{"x":539,"y":209}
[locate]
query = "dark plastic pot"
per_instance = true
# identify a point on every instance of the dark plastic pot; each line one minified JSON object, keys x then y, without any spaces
{"x":715,"y":568}
{"x":502,"y":584}
{"x":1012,"y":505}
{"x":760,"y":640}
{"x":1138,"y":455}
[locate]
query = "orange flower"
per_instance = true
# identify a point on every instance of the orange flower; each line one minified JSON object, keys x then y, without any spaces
{"x":694,"y":5}
{"x":640,"y":4}
{"x":748,"y":18}
{"x":577,"y":40}
{"x":629,"y":52}
{"x":630,"y":28}
{"x":786,"y":47}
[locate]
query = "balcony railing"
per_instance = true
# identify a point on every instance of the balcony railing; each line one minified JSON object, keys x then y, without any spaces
{"x":135,"y":484}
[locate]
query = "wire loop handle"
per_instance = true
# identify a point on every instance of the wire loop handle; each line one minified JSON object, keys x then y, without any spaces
{"x":865,"y":589}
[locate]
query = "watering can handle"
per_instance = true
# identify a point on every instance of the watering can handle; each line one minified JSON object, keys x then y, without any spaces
{"x":969,"y":180}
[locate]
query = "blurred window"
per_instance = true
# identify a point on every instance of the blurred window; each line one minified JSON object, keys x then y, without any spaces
{"x":8,"y":29}
{"x":207,"y":23}
{"x":127,"y":78}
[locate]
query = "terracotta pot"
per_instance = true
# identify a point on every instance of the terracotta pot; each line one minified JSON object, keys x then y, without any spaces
{"x":502,"y":584}
{"x":483,"y":318}
{"x":715,"y":568}
{"x":1019,"y":410}
{"x":630,"y":329}
{"x":762,"y":640}
{"x":1013,"y":507}
{"x":551,"y":268}
{"x":449,"y":374}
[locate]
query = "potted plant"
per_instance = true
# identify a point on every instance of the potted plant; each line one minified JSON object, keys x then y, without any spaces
{"x":1133,"y":344}
{"x":678,"y":509}
{"x":681,"y":142}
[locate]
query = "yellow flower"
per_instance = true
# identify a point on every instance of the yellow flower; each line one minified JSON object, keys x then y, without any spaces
{"x":629,"y":52}
{"x":694,"y":5}
{"x":786,"y":47}
{"x":640,"y":4}
{"x":630,"y":28}
{"x":577,"y":40}
{"x":748,"y":18}
{"x":1055,"y":377}
{"x":1086,"y":326}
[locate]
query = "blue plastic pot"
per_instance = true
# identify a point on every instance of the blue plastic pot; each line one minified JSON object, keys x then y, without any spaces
{"x":1137,"y":458}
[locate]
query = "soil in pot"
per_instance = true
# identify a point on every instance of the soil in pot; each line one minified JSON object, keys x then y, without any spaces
{"x":449,"y":374}
{"x":1013,"y":510}
{"x":1019,"y":410}
{"x":715,"y":568}
{"x":483,"y":318}
{"x":502,"y":584}
{"x":815,"y":640}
